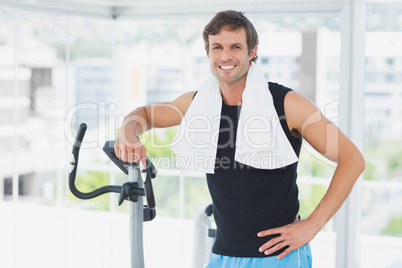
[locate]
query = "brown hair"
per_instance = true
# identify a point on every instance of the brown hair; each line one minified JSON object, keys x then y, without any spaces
{"x":234,"y":20}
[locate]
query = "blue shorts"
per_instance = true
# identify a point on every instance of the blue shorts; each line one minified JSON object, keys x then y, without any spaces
{"x":299,"y":258}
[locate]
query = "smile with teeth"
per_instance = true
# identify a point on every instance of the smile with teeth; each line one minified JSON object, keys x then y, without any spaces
{"x":227,"y":67}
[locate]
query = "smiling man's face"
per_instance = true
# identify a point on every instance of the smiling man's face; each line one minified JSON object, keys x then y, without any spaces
{"x":228,"y":56}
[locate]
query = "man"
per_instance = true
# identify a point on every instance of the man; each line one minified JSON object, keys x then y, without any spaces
{"x":251,"y":178}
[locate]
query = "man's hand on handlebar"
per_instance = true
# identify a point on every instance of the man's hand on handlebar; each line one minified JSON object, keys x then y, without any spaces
{"x":128,"y":146}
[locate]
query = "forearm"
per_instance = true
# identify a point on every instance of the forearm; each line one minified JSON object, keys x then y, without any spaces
{"x":299,"y":233}
{"x":136,"y":121}
{"x":343,"y":180}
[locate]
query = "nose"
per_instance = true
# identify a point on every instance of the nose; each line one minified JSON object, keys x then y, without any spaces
{"x":226,"y":55}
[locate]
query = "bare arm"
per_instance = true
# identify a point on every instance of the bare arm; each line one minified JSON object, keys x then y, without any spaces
{"x":305,"y":118}
{"x":328,"y":140}
{"x":167,"y":114}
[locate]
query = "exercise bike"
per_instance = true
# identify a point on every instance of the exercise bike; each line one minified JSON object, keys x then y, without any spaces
{"x":133,"y":191}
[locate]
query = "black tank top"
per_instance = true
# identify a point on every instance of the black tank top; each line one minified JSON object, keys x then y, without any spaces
{"x":249,"y":200}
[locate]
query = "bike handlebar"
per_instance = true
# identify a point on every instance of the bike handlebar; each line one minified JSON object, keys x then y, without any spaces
{"x":73,"y":170}
{"x":126,"y":190}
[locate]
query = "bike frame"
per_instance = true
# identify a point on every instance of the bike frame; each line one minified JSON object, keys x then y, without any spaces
{"x":132,"y":191}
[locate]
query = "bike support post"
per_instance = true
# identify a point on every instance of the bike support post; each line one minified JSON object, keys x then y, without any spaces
{"x":136,"y":221}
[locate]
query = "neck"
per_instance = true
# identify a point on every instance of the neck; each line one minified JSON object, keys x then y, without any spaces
{"x":232,"y":97}
{"x":232,"y":93}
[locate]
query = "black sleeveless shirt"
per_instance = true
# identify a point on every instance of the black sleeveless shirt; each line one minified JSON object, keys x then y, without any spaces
{"x":248,"y":200}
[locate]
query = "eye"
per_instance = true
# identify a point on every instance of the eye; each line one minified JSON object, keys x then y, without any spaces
{"x":237,"y":47}
{"x":216,"y":47}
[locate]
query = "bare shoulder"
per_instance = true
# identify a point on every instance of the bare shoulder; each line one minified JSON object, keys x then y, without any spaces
{"x":298,"y":110}
{"x":168,"y":114}
{"x":183,"y":101}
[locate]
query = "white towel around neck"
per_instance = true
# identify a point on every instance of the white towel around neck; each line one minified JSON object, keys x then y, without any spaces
{"x":260,"y":142}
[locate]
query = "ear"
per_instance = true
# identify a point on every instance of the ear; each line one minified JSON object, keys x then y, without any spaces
{"x":253,"y":52}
